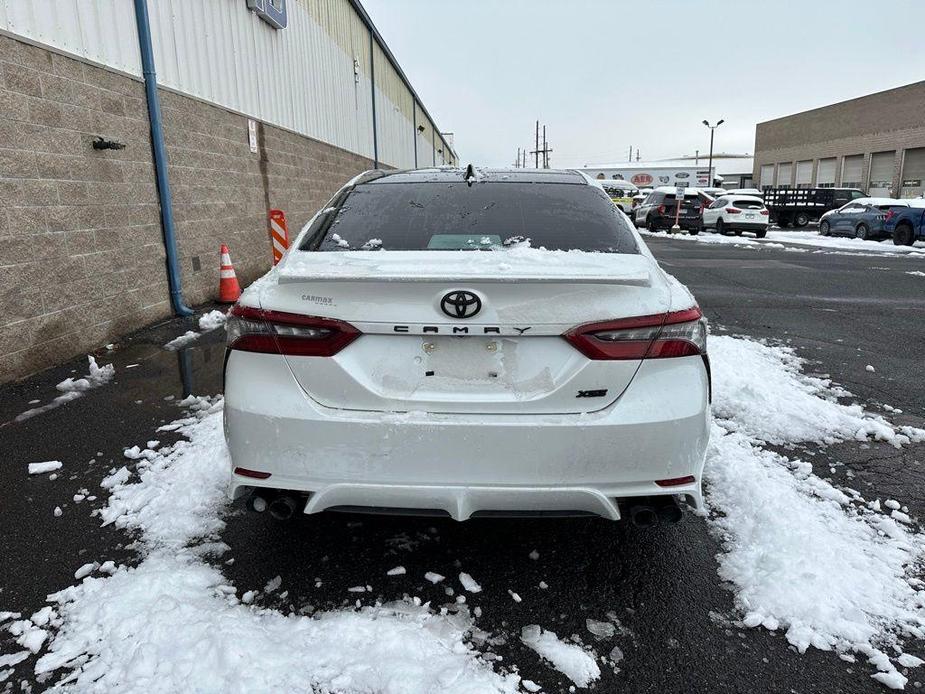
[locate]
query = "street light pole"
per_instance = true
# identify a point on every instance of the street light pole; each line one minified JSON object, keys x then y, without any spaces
{"x":710,"y":165}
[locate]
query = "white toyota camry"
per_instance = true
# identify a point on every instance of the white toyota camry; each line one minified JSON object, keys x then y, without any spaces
{"x":468,"y":343}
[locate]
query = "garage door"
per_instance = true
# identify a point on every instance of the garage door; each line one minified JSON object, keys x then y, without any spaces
{"x":784,"y":174}
{"x":825,"y":173}
{"x":852,"y":173}
{"x":766,"y":180}
{"x":804,"y":178}
{"x":913,"y":173}
{"x":880,"y":183}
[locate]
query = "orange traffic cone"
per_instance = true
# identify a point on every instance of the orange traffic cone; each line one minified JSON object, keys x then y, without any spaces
{"x":279,"y":234}
{"x":228,"y":288}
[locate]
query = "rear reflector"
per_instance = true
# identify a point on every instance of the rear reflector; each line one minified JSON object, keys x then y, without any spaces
{"x":676,"y":481}
{"x":659,"y":336}
{"x":256,"y":474}
{"x":274,"y":332}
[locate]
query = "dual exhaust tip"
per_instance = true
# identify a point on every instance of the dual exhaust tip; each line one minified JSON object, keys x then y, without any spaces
{"x":648,"y":512}
{"x":281,"y":505}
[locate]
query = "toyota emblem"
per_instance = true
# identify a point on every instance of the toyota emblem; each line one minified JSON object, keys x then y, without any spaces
{"x":460,"y":304}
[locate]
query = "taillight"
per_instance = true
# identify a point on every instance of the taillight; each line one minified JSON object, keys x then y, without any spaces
{"x":733,"y":210}
{"x":274,"y":332}
{"x":765,"y":212}
{"x":660,"y":336}
{"x":661,"y":209}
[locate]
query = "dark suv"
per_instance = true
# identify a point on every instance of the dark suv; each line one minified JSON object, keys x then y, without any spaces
{"x":657,"y":211}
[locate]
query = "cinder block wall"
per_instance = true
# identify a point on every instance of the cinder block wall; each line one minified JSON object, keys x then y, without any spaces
{"x":81,"y":248}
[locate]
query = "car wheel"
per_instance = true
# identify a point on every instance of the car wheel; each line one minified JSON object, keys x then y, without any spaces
{"x":693,"y":231}
{"x":738,"y":232}
{"x":862,"y":232}
{"x":824,"y":228}
{"x":720,"y":227}
{"x":903,"y":236}
{"x":761,"y":233}
{"x":801,"y":219}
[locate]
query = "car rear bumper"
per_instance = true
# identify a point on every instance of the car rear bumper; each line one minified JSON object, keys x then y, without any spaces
{"x":466,"y":464}
{"x":745,"y":226}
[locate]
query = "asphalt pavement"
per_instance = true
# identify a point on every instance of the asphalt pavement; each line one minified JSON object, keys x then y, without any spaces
{"x":839,"y":311}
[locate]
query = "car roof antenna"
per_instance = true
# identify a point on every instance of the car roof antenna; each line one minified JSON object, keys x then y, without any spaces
{"x":470,"y":175}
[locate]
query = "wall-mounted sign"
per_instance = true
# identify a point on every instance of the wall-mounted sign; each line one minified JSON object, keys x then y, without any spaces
{"x":273,"y":12}
{"x":642,"y":179}
{"x":252,"y":134}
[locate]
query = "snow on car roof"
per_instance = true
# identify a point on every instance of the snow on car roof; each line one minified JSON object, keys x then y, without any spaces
{"x":882,"y":201}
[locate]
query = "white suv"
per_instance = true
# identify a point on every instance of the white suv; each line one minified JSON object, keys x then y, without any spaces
{"x":737,"y":213}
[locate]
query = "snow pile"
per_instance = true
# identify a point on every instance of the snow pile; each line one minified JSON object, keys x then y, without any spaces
{"x":73,"y":388}
{"x":174,"y":624}
{"x":760,"y":391}
{"x":182,"y":341}
{"x":804,"y":556}
{"x":568,"y":658}
{"x":212,"y":320}
{"x":98,"y":376}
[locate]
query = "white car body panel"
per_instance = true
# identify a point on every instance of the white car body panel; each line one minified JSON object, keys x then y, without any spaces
{"x":413,"y":415}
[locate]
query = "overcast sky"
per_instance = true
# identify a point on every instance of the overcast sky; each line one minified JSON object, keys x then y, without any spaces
{"x":607,"y":74}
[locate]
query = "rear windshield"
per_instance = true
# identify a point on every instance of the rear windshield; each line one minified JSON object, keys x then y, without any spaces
{"x":748,"y":204}
{"x":484,"y":216}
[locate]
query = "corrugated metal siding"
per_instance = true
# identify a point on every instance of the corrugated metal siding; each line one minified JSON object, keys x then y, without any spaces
{"x":301,"y":78}
{"x":102,"y":30}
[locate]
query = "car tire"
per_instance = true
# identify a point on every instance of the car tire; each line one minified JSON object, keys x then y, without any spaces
{"x":862,"y":232}
{"x":800,"y":219}
{"x":903,"y":235}
{"x":693,"y":231}
{"x":737,"y":232}
{"x":824,"y":228}
{"x":720,"y":227}
{"x":761,"y":233}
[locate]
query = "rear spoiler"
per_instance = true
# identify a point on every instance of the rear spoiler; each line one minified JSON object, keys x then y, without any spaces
{"x":634,"y":279}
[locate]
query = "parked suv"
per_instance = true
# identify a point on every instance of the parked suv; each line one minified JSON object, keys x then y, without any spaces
{"x":657,"y":211}
{"x":737,"y":213}
{"x":621,"y":193}
{"x":865,"y":218}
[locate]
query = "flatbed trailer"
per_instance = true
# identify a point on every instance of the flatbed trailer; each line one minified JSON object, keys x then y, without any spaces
{"x":800,"y":206}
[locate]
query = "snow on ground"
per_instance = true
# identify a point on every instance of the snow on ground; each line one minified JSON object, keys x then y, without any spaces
{"x":73,"y":388}
{"x":804,"y":556}
{"x":181,"y":341}
{"x":568,"y":658}
{"x":212,"y":320}
{"x":801,"y":241}
{"x":174,"y":624}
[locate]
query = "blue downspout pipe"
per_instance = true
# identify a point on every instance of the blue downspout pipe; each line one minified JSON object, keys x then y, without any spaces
{"x":160,"y":159}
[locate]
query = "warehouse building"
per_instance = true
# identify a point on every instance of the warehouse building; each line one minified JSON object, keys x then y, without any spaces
{"x":875,"y":143}
{"x":263,"y":104}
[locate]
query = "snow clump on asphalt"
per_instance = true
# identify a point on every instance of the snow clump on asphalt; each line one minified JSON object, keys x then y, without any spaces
{"x":182,"y":341}
{"x":212,"y":320}
{"x":568,"y":658}
{"x":804,"y":556}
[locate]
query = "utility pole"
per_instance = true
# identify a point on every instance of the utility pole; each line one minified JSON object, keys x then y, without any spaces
{"x":517,"y":162}
{"x":637,"y":154}
{"x":545,"y":150}
{"x":710,"y":165}
{"x":536,"y":152}
{"x":631,"y":153}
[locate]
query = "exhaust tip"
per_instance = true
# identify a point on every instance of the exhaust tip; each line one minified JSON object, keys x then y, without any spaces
{"x":258,"y":501}
{"x":283,"y":508}
{"x":670,"y":513}
{"x":643,"y":516}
